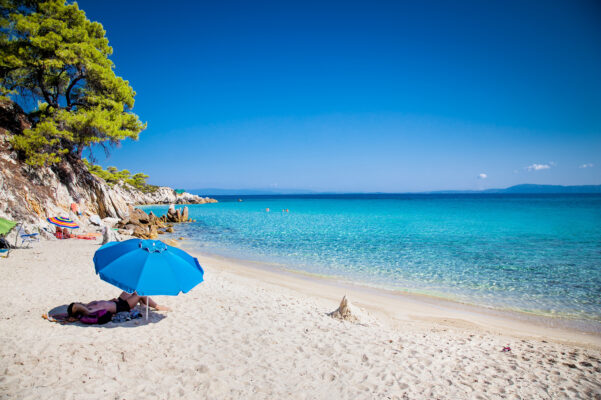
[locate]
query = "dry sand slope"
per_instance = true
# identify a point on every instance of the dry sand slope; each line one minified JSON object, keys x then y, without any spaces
{"x":242,"y":338}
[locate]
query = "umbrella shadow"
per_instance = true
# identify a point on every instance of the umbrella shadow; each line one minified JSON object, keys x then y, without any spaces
{"x":153,"y":318}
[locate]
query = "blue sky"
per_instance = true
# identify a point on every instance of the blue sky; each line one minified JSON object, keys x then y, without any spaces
{"x":389,"y":96}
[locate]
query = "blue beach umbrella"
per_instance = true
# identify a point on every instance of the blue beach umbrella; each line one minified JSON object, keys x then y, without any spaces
{"x":149,"y":267}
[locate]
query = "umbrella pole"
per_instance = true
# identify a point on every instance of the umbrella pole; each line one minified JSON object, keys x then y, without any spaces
{"x":146,"y":308}
{"x":17,"y":234}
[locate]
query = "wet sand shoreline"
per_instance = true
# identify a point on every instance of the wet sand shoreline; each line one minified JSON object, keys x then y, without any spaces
{"x":398,"y":305}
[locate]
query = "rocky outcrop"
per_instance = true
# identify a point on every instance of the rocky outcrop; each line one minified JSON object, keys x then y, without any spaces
{"x":149,"y":226}
{"x":30,"y":195}
{"x":110,"y":203}
{"x":176,"y":216}
{"x":162,"y":195}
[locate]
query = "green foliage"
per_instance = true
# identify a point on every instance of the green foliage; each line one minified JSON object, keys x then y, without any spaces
{"x":112,"y":176}
{"x":50,"y":52}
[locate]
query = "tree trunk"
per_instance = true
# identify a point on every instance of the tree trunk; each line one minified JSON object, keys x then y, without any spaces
{"x":79,"y":151}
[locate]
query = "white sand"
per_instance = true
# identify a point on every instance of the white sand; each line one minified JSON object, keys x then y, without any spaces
{"x":246,"y":333}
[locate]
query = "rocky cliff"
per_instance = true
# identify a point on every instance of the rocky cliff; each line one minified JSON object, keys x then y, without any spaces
{"x":30,"y":195}
{"x":163,"y":195}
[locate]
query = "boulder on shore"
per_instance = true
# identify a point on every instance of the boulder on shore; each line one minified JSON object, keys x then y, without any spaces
{"x":149,"y":226}
{"x":110,"y":222}
{"x":185,"y":217}
{"x":178,"y":215}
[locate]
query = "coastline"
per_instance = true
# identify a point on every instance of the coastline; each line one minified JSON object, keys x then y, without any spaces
{"x":397,"y":307}
{"x":545,"y":269}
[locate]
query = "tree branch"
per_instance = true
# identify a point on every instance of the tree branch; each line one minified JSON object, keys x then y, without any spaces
{"x":79,"y":77}
{"x":40,"y":77}
{"x":56,"y":86}
{"x":75,"y":103}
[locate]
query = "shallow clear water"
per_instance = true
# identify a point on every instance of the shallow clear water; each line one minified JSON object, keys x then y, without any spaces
{"x":539,"y":254}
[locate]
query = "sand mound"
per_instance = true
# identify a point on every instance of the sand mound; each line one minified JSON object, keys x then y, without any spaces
{"x":346,"y":311}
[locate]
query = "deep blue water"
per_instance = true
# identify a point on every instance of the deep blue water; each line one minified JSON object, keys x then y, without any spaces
{"x":535,"y":253}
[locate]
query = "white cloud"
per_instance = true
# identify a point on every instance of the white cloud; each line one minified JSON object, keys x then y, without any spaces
{"x":588,"y":165}
{"x":482,"y":176}
{"x":538,"y":167}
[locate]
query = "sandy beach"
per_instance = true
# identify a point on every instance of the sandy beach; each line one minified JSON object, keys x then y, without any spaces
{"x":252,"y":333}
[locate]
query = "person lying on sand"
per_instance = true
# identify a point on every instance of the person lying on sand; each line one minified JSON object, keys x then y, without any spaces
{"x":125,"y":302}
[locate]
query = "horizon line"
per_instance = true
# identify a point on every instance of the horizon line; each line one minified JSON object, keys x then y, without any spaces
{"x":286,"y":191}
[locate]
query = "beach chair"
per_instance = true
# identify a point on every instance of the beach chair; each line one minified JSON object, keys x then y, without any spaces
{"x":27,"y":238}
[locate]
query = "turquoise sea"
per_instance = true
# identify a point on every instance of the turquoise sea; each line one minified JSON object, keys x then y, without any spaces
{"x":534,"y":253}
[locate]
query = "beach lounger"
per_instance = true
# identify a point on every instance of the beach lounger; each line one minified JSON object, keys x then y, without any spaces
{"x":27,"y":238}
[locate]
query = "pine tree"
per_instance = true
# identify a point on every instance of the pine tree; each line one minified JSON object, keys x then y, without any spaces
{"x":52,"y":54}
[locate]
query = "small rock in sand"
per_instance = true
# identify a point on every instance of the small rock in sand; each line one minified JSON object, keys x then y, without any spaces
{"x":95,"y":219}
{"x":109,"y":235}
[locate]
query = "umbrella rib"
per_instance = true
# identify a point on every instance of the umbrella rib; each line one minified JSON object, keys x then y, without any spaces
{"x":114,"y":281}
{"x":192,"y":264}
{"x":142,"y":270}
{"x":175,"y":278}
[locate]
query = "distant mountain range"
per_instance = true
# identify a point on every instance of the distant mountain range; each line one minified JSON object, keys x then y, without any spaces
{"x":534,"y":189}
{"x":517,"y":189}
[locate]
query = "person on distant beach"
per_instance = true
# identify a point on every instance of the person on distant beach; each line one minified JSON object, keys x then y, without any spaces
{"x":125,"y":302}
{"x":75,"y":208}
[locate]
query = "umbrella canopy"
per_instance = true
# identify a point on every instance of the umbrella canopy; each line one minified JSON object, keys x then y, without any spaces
{"x":63,"y":222}
{"x":6,"y":225}
{"x":149,"y":267}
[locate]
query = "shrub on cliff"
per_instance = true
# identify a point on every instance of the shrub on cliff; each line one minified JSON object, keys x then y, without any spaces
{"x":112,"y":176}
{"x":51,"y":53}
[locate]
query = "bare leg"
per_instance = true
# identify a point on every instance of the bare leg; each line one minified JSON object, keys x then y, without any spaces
{"x":153,"y":304}
{"x":134,"y":298}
